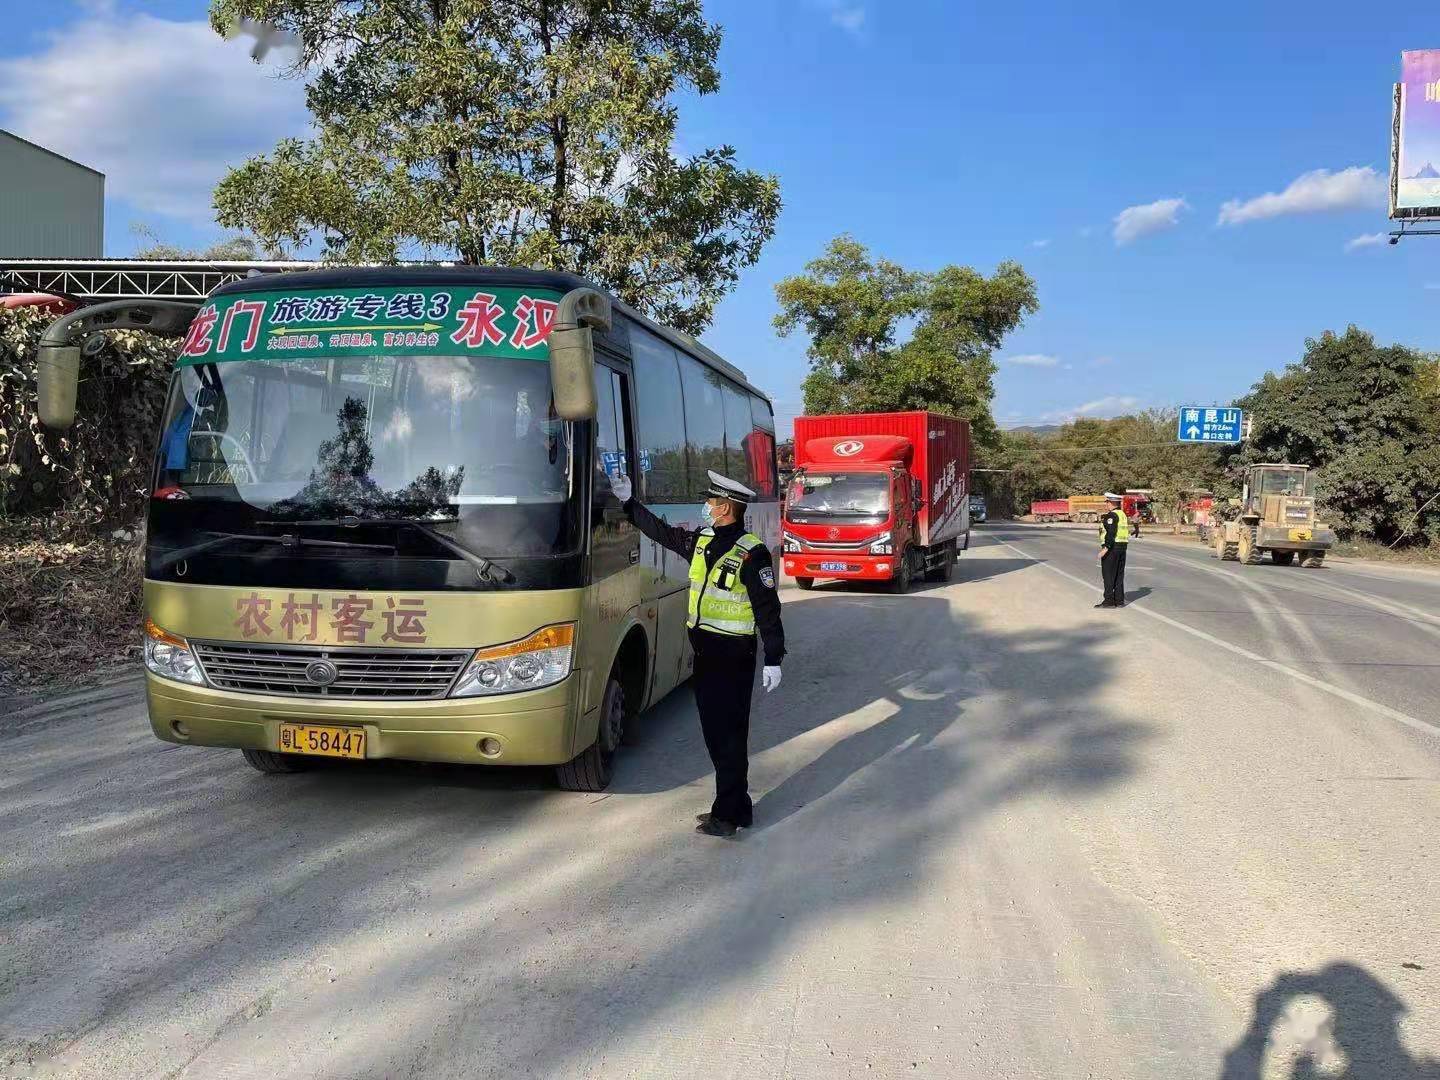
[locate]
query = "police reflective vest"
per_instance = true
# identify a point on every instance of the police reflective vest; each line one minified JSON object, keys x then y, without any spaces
{"x":1122,"y":528}
{"x":718,"y":599}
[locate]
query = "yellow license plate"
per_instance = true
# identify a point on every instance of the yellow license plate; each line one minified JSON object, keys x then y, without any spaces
{"x":345,"y":742}
{"x":1301,"y":534}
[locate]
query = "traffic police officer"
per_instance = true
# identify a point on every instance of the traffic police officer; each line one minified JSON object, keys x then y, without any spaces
{"x":732,"y":595}
{"x":1114,"y":543}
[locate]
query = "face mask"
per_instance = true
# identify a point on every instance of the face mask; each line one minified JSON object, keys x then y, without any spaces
{"x":707,"y":514}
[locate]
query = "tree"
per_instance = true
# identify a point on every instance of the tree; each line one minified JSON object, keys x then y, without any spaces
{"x":230,"y":249}
{"x":853,"y":307}
{"x":524,"y":132}
{"x":1365,"y":416}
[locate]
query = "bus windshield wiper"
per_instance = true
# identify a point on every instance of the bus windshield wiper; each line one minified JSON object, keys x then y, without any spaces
{"x":287,"y":540}
{"x":488,"y":572}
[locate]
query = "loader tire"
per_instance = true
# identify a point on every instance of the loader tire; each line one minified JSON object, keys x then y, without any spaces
{"x":1250,"y":555}
{"x":1314,"y":559}
{"x":1282,"y":558}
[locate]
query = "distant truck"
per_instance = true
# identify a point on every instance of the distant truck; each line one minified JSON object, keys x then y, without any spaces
{"x":877,"y":497}
{"x":1085,"y":508}
{"x":977,"y":510}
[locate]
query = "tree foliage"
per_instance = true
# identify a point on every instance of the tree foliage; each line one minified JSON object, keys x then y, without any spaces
{"x":1092,"y":456}
{"x":854,"y":307}
{"x":1368,"y":418}
{"x":524,"y":132}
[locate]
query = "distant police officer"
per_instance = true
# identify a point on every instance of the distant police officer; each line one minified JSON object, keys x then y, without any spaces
{"x":732,"y":595}
{"x":1114,"y":543}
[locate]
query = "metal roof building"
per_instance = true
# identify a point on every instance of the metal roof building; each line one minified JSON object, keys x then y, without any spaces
{"x":50,"y":207}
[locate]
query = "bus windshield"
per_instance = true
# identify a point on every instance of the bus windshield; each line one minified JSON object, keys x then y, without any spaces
{"x":839,"y":495}
{"x":468,"y":446}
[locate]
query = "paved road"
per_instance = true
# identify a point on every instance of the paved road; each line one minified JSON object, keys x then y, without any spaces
{"x":1000,"y":834}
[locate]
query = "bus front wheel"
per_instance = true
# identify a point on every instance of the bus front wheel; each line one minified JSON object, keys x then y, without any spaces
{"x":593,"y":768}
{"x":268,"y":761}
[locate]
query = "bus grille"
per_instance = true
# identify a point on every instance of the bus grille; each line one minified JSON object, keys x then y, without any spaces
{"x":390,"y":674}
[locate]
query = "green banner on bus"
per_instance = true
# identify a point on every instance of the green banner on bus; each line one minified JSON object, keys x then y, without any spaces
{"x":390,"y":320}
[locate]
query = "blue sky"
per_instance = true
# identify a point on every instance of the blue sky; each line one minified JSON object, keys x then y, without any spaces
{"x":935,"y":134}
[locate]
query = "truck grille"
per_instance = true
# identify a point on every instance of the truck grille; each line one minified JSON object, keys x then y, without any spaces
{"x":390,"y":674}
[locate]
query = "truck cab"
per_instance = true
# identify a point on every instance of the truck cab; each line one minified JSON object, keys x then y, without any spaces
{"x":846,"y":516}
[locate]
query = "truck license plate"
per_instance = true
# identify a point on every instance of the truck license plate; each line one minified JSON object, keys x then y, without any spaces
{"x":834,"y":567}
{"x":346,"y":742}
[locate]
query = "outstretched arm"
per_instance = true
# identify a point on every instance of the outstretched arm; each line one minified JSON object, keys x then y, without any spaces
{"x":681,"y":541}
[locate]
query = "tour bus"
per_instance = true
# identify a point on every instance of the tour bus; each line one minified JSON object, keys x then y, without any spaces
{"x":382,"y":525}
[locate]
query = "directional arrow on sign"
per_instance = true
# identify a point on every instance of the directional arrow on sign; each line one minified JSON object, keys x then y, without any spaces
{"x":331,"y":329}
{"x":1192,"y":431}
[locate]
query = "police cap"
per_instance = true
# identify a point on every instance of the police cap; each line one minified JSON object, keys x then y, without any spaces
{"x":722,"y":487}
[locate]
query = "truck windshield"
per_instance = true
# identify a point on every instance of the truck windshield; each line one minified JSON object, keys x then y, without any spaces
{"x":839,"y":495}
{"x":468,"y":446}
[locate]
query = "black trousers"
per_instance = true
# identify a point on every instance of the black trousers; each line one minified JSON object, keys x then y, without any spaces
{"x":1112,"y":572}
{"x":724,"y":682}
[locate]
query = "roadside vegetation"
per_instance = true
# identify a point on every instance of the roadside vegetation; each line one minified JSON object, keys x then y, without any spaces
{"x":71,"y":507}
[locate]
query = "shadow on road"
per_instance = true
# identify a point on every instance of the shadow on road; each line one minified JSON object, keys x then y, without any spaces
{"x":1340,"y":1021}
{"x":562,"y":924}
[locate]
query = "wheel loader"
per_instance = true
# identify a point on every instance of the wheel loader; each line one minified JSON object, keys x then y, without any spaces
{"x":1277,"y":514}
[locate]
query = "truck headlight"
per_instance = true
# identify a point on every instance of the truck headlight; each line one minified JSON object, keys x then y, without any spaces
{"x":541,"y":659}
{"x":882,"y":545}
{"x":168,"y":655}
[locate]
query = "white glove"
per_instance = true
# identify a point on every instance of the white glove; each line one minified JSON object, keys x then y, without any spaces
{"x":770,"y":677}
{"x":621,"y":486}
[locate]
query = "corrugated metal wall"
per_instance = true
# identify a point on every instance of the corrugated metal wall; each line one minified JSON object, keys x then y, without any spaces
{"x":50,"y":207}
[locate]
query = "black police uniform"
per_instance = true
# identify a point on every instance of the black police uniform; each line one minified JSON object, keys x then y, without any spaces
{"x":1112,"y":563}
{"x":725,"y":663}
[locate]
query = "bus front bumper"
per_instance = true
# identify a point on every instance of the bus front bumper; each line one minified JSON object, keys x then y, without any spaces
{"x":535,"y":727}
{"x":849,"y":566}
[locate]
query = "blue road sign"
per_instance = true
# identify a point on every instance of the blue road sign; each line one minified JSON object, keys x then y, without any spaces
{"x":1214,"y":425}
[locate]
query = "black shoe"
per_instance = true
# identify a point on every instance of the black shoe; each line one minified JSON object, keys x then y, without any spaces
{"x":1120,"y":603}
{"x":713,"y":826}
{"x":1105,"y":603}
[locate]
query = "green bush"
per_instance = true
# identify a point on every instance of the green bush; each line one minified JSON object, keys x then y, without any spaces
{"x":97,"y":473}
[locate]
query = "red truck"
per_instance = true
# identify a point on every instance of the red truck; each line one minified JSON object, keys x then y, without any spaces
{"x":1048,"y":510}
{"x":877,"y":497}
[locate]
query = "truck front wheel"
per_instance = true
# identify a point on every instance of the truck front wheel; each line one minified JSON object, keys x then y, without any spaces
{"x":900,"y":583}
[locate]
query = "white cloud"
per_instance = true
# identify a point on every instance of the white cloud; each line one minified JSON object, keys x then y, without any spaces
{"x":1038,"y":244}
{"x":849,"y":17}
{"x":1367,"y":240}
{"x":1033,"y":360}
{"x":1136,"y":221}
{"x":846,"y":14}
{"x":160,"y":107}
{"x":1318,"y":190}
{"x":1113,"y":405}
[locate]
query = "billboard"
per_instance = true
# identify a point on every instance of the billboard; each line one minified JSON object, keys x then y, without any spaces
{"x":1415,"y":137}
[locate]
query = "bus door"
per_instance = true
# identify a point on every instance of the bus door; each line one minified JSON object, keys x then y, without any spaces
{"x":615,"y":572}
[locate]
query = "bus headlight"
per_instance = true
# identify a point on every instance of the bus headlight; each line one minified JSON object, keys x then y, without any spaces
{"x":882,"y":545}
{"x":789,"y":541}
{"x":541,"y":659}
{"x":168,"y":655}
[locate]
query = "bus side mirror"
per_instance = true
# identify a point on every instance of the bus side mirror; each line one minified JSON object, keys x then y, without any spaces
{"x":57,"y":360}
{"x":572,"y":352}
{"x":57,"y":374}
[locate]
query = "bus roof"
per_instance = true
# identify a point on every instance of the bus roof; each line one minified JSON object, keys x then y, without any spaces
{"x":515,"y":277}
